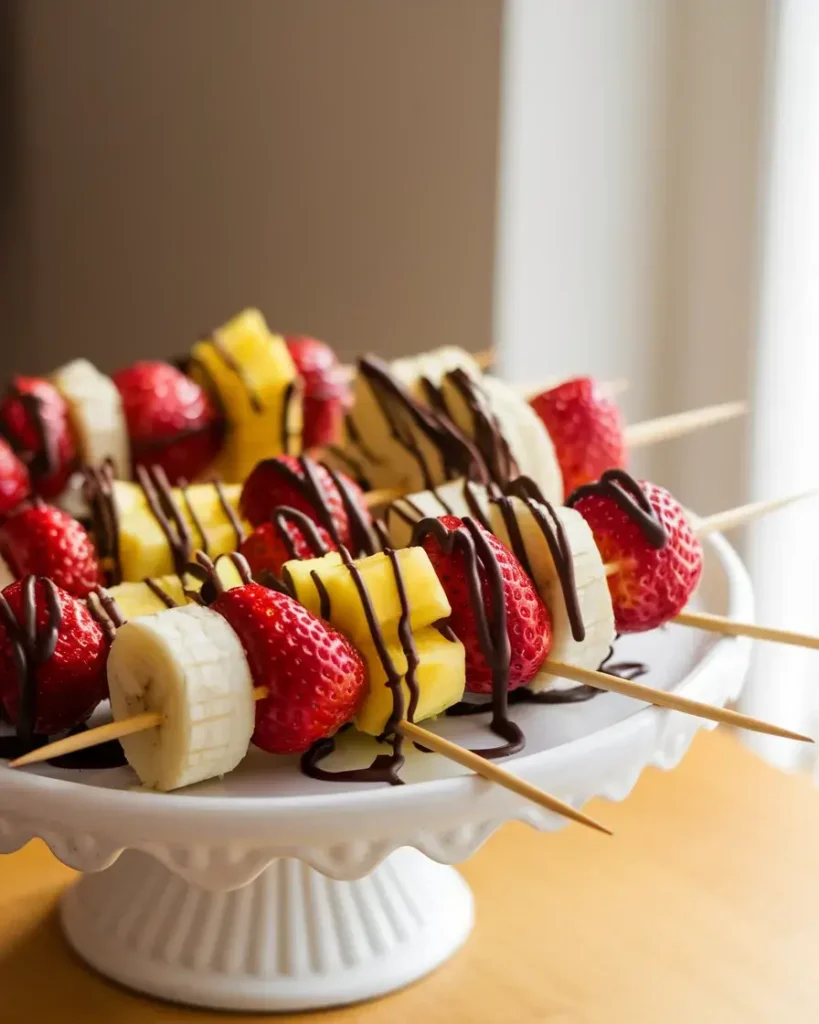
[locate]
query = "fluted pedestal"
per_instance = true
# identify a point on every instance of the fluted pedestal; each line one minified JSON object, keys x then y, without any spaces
{"x":293,"y":939}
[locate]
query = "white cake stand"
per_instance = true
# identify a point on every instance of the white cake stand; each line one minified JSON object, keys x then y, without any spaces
{"x":271,"y":891}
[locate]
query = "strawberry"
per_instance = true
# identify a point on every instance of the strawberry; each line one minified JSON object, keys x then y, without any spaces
{"x":68,"y":674}
{"x":528,"y":624}
{"x":326,"y":390}
{"x":15,"y":484}
{"x":172,"y":421}
{"x":35,"y":421}
{"x":267,"y":549}
{"x":654,"y":579}
{"x":315,"y":678}
{"x":585,"y":428}
{"x":307,"y":486}
{"x":46,"y":541}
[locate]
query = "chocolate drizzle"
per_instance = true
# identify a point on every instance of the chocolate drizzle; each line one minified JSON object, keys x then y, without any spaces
{"x":105,"y":523}
{"x":548,"y":521}
{"x":284,"y":518}
{"x":405,"y":416}
{"x":385,"y":767}
{"x":489,"y":439}
{"x":621,"y":488}
{"x":157,"y":591}
{"x":46,"y":459}
{"x":30,"y":648}
{"x":204,"y":569}
{"x":492,"y":629}
{"x":105,"y":611}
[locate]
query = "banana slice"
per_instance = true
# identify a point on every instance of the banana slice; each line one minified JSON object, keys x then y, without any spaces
{"x":457,"y":498}
{"x":525,"y":525}
{"x":188,"y":665}
{"x":527,"y":438}
{"x":96,"y":412}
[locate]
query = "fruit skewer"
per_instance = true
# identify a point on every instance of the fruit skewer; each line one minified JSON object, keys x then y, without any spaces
{"x":335,"y":598}
{"x":207,"y":713}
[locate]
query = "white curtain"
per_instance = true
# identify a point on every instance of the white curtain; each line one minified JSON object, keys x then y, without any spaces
{"x":784,"y":556}
{"x":659,"y":219}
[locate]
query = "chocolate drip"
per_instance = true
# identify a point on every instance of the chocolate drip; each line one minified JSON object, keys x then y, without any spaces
{"x":105,"y":611}
{"x":548,"y":521}
{"x":157,"y":591}
{"x":218,"y":343}
{"x":285,"y":517}
{"x":489,"y":439}
{"x":405,"y":415}
{"x":229,"y":513}
{"x":157,"y":491}
{"x":572,"y":695}
{"x":182,"y":487}
{"x":353,"y":467}
{"x":203,"y":568}
{"x":630,"y":670}
{"x":359,"y":519}
{"x":105,"y":756}
{"x":626,"y":493}
{"x":30,"y":649}
{"x":98,"y":491}
{"x":492,"y":629}
{"x":46,"y":459}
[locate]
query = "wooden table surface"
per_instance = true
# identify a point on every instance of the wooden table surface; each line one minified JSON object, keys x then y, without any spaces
{"x":703,"y":907}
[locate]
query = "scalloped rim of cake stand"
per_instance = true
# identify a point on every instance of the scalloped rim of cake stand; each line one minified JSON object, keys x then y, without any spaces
{"x":447,"y":818}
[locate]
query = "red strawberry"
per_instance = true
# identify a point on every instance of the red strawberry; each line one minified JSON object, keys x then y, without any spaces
{"x":15,"y":485}
{"x":315,"y":677}
{"x":267,"y":549}
{"x":528,"y":624}
{"x":652,"y":583}
{"x":305,"y":485}
{"x":70,"y":680}
{"x":326,"y":389}
{"x":45,"y":541}
{"x":34,"y":418}
{"x":586,"y":430}
{"x":172,"y":421}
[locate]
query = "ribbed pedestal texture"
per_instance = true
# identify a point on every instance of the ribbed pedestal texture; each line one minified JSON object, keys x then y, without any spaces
{"x":293,"y":939}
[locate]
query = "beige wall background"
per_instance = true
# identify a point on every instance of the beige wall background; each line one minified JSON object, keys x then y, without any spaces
{"x":167,"y":163}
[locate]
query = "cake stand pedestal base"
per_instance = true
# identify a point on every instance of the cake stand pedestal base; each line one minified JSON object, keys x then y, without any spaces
{"x":293,"y":939}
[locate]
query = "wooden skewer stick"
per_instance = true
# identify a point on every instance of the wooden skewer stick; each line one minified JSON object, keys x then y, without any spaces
{"x":481,"y":766}
{"x":743,"y":514}
{"x":639,"y":435}
{"x":729,"y":627}
{"x":673,"y":701}
{"x":494,"y":773}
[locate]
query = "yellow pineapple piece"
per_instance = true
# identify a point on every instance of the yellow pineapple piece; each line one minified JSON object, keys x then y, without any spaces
{"x":144,"y":548}
{"x":135,"y":599}
{"x":440,"y":677}
{"x":425,"y":595}
{"x":298,"y":575}
{"x":252,"y":374}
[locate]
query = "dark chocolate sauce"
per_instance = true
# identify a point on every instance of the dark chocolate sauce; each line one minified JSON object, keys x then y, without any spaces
{"x":105,"y":611}
{"x":30,"y":648}
{"x":229,"y":513}
{"x":626,"y":493}
{"x":489,"y":439}
{"x":158,"y":494}
{"x":98,"y":491}
{"x":182,"y":487}
{"x":157,"y":591}
{"x":288,"y":520}
{"x":104,"y":756}
{"x":358,"y":517}
{"x":548,"y":521}
{"x":492,"y":630}
{"x":405,"y":416}
{"x":46,"y":459}
{"x":290,"y":439}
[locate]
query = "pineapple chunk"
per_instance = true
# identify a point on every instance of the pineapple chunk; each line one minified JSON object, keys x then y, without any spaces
{"x":135,"y":599}
{"x":143,"y":546}
{"x":298,"y":575}
{"x":252,"y":373}
{"x":440,"y":677}
{"x":427,"y":600}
